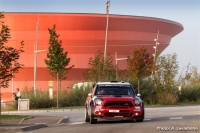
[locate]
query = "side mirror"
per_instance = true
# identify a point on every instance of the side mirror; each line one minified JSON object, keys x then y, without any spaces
{"x":138,"y":95}
{"x":89,"y":94}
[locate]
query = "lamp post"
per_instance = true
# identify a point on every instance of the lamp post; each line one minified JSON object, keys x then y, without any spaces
{"x":35,"y":66}
{"x":155,"y":54}
{"x":12,"y":85}
{"x":35,"y":56}
{"x":107,"y":12}
{"x":155,"y":47}
{"x":116,"y":59}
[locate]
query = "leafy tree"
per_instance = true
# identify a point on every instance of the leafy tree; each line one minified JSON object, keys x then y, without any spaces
{"x":139,"y":65}
{"x":164,"y":76}
{"x":57,"y":60}
{"x":191,"y":78}
{"x":100,"y":70}
{"x":9,"y":56}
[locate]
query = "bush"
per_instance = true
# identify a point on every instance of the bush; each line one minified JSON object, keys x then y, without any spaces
{"x":76,"y":97}
{"x":41,"y":100}
{"x":146,"y":90}
{"x":11,"y":106}
{"x":190,"y":94}
{"x":166,"y":98}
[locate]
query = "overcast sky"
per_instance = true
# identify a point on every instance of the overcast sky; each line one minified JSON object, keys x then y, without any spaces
{"x":187,"y":12}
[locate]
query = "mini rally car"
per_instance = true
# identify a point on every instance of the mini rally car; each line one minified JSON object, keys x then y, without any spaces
{"x":113,"y":100}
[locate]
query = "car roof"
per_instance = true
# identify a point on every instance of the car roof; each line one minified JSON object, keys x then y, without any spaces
{"x":113,"y":83}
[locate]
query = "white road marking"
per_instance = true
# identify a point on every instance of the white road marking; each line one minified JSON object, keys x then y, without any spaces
{"x":176,"y":118}
{"x":76,"y":123}
{"x":147,"y":119}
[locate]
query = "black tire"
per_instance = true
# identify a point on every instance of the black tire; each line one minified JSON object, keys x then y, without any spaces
{"x":92,"y":120}
{"x":87,"y":118}
{"x":139,"y":120}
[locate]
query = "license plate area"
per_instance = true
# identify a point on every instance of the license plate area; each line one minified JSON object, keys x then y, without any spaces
{"x":114,"y":111}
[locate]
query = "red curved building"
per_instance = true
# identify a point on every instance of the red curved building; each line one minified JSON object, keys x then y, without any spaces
{"x":82,"y":36}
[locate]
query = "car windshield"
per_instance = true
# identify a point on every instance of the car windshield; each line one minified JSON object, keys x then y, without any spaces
{"x":114,"y":90}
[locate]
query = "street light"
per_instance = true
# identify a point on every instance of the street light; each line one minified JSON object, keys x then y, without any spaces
{"x":35,"y":67}
{"x":155,"y":54}
{"x":35,"y":56}
{"x":12,"y":84}
{"x":107,"y":12}
{"x":155,"y":47}
{"x":116,"y":59}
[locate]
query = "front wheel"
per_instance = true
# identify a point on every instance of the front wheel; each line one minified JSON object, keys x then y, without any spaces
{"x":87,"y":119}
{"x":92,"y":120}
{"x":139,"y":120}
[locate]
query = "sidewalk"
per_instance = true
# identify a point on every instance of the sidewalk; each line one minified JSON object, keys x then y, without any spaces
{"x":35,"y":122}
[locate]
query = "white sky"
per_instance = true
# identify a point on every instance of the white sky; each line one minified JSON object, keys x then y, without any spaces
{"x":187,"y":12}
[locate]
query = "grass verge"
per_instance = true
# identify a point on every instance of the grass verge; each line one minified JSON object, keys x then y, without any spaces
{"x":11,"y":117}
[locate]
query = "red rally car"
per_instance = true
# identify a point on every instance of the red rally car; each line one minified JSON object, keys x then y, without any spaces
{"x":113,"y":100}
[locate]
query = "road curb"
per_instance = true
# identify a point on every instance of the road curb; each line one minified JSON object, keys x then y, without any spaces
{"x":63,"y":120}
{"x":25,"y":119}
{"x":25,"y":128}
{"x":33,"y":127}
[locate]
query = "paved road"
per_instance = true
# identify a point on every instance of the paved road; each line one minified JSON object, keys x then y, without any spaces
{"x":156,"y":119}
{"x":150,"y":112}
{"x":148,"y":126}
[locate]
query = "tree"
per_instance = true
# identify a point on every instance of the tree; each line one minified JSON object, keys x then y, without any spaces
{"x":163,"y":79}
{"x":191,"y":78}
{"x":100,"y":70}
{"x":9,"y":56}
{"x":139,"y":65}
{"x":164,"y":76}
{"x":57,"y":60}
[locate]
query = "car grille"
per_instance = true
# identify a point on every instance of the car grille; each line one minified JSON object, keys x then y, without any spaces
{"x":118,"y":104}
{"x":118,"y":114}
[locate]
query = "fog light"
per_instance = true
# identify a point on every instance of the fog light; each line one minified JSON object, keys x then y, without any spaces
{"x":99,"y":113}
{"x":136,"y":114}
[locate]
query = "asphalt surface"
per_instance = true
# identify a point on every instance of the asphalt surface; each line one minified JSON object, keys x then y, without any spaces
{"x":54,"y":118}
{"x":32,"y":123}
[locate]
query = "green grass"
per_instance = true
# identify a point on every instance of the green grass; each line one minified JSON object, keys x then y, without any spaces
{"x":54,"y":108}
{"x":11,"y":117}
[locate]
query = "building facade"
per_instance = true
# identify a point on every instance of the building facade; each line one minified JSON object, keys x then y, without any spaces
{"x":82,"y":36}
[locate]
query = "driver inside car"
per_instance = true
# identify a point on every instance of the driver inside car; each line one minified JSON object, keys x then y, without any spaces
{"x":102,"y":92}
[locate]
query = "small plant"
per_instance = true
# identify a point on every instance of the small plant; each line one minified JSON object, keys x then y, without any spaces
{"x":11,"y":117}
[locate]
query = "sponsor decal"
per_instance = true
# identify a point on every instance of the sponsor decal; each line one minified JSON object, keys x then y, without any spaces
{"x":98,"y":107}
{"x":114,"y":111}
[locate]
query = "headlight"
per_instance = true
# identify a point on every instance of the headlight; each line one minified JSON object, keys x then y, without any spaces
{"x":137,"y":101}
{"x":98,"y":101}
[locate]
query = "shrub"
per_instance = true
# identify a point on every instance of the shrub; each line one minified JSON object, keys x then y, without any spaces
{"x":166,"y":98}
{"x":190,"y":93}
{"x":76,"y":97}
{"x":41,"y":100}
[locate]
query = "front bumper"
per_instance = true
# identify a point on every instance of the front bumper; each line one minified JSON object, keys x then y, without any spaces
{"x":118,"y":113}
